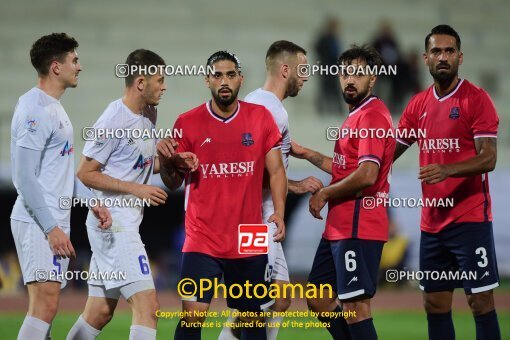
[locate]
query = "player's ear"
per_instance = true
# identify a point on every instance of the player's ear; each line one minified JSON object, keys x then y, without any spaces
{"x":461,"y":57}
{"x":425,"y":58}
{"x":241,"y":78}
{"x":55,"y":67}
{"x":206,"y":80}
{"x":140,"y":83}
{"x":373,"y":78}
{"x":285,"y":71}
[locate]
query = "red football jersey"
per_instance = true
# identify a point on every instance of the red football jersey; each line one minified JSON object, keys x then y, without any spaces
{"x":348,"y":217}
{"x":451,"y":124}
{"x":226,"y":190}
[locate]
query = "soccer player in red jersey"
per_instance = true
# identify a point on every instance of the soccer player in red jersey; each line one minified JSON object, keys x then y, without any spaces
{"x":349,"y":253}
{"x":457,"y":150}
{"x":234,"y":141}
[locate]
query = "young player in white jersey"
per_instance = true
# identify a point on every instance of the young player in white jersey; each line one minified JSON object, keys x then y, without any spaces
{"x":282,"y":81}
{"x":119,"y":165}
{"x":42,"y":159}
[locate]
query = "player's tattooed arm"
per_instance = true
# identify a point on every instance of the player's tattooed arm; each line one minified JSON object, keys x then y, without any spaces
{"x":89,"y":172}
{"x":363,"y":177}
{"x":278,"y":185}
{"x":483,"y":162}
{"x":321,"y":161}
{"x":399,"y":150}
{"x":310,"y":184}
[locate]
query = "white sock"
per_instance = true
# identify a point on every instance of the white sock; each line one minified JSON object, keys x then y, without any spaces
{"x":33,"y":329}
{"x":226,"y":332}
{"x":272,"y":332}
{"x":81,"y":330}
{"x":138,"y":332}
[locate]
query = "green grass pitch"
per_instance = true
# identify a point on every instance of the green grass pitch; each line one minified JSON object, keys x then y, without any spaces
{"x":389,"y":325}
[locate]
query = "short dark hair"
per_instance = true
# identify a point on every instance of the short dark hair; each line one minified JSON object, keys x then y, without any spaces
{"x":224,"y":55}
{"x":443,"y":29}
{"x":282,"y":46}
{"x":51,"y":47}
{"x":141,"y":57}
{"x":365,"y":53}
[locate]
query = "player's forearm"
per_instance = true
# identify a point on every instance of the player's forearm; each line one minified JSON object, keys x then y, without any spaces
{"x":321,"y":161}
{"x":170,"y":177}
{"x":480,"y":164}
{"x":278,"y":185}
{"x":100,"y":181}
{"x":157,"y":166}
{"x":293,"y":186}
{"x":350,"y":186}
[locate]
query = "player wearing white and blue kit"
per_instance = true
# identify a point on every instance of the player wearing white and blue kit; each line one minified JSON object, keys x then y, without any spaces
{"x":42,"y":160}
{"x":120,"y":169}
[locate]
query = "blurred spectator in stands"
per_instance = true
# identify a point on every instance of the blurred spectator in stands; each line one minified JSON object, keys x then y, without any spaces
{"x":328,"y":47}
{"x":407,"y":81}
{"x":386,"y":44}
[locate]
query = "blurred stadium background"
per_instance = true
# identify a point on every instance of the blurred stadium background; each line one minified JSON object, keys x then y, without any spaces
{"x":186,"y":34}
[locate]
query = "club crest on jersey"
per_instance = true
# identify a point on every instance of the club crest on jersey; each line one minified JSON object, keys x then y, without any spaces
{"x":67,"y":150}
{"x":454,"y":112}
{"x":141,"y":162}
{"x":31,"y":124}
{"x":247,"y":139}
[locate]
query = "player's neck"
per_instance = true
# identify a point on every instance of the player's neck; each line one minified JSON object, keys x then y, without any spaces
{"x":276,"y":87}
{"x":224,"y":111}
{"x":134,"y":103}
{"x":353,"y":106}
{"x":51,"y":87}
{"x":442,"y":89}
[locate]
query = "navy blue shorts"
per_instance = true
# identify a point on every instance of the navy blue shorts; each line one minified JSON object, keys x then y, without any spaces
{"x":464,"y":256}
{"x":254,"y":270}
{"x":349,"y":266}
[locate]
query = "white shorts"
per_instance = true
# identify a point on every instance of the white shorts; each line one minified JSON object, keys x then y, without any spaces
{"x":126,"y":291}
{"x":36,"y":259}
{"x":276,"y":257}
{"x":118,"y":258}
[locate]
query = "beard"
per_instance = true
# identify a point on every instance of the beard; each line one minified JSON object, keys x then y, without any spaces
{"x":292,"y":88}
{"x":444,"y":76}
{"x":224,"y":101}
{"x":356,"y":99}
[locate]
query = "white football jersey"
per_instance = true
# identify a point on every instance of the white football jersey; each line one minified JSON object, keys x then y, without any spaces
{"x":275,"y":106}
{"x":41,"y":123}
{"x":127,"y":158}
